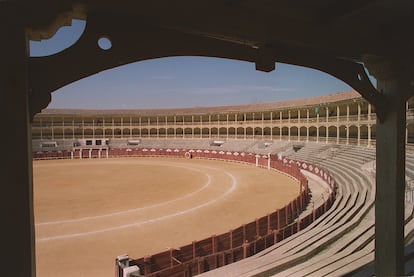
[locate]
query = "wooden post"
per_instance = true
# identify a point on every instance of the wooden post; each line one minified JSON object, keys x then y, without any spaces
{"x":18,"y":233}
{"x":390,"y":182}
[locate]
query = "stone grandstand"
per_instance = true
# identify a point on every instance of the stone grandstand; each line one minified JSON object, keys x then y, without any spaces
{"x":338,"y":135}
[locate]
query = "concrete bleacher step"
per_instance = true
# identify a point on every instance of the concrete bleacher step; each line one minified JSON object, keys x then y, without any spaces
{"x":348,"y":244}
{"x":291,"y":258}
{"x":367,"y":194}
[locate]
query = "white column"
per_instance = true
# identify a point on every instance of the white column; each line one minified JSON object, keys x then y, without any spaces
{"x":299,"y":125}
{"x":209,"y":126}
{"x":53,"y":131}
{"x":157,"y":127}
{"x":307,"y":125}
{"x":175,"y":126}
{"x":131,"y":128}
{"x":359,"y":124}
{"x":192,"y":126}
{"x":337,"y":124}
{"x":254,"y":127}
{"x":148,"y":126}
{"x":271,"y":125}
{"x":317,"y":127}
{"x":140,"y":128}
{"x":166,"y":126}
{"x":369,"y":125}
{"x":113,"y":128}
{"x":122,"y":127}
{"x":245,"y":127}
{"x":227,"y":126}
{"x":235,"y":122}
{"x":280,"y":127}
{"x":347,"y":124}
{"x":262,"y":125}
{"x":83,"y":128}
{"x":327,"y":124}
{"x":289,"y":125}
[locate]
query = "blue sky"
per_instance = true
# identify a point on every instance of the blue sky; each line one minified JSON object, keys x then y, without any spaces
{"x":182,"y":81}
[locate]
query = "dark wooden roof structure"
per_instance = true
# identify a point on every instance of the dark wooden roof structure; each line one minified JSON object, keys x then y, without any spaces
{"x":338,"y":37}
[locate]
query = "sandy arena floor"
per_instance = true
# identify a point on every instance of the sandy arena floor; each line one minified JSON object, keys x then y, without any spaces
{"x":87,"y":212}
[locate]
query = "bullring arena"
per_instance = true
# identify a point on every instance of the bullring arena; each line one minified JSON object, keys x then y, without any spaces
{"x":88,"y":212}
{"x":186,"y":192}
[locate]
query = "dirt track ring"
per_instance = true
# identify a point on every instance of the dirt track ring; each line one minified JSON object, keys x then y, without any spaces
{"x":186,"y":197}
{"x":77,"y":238}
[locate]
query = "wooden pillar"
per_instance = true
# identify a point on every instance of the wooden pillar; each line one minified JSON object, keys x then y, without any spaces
{"x":17,"y":236}
{"x":390,"y":181}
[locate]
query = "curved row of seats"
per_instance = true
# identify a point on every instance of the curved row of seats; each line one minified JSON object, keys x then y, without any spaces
{"x":341,"y":241}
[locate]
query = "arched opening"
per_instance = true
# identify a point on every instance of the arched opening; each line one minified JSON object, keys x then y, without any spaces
{"x":222,"y":132}
{"x":188,"y":132}
{"x":57,"y":133}
{"x":144,"y":132}
{"x":240,"y":132}
{"x":363,"y":135}
{"x":294,"y":133}
{"x":126,"y":132}
{"x":232,"y":132}
{"x":205,"y":133}
{"x":342,"y":133}
{"x":303,"y":133}
{"x":136,"y":132}
{"x":179,"y":132}
{"x":322,"y":133}
{"x":266,"y":132}
{"x":257,"y":132}
{"x":285,"y":132}
{"x":313,"y":132}
{"x":276,"y":131}
{"x":162,"y":132}
{"x":108,"y":133}
{"x":69,"y":132}
{"x":98,"y":133}
{"x":88,"y":133}
{"x":197,"y":132}
{"x":332,"y":133}
{"x":214,"y":132}
{"x":249,"y":132}
{"x":353,"y":134}
{"x":170,"y":132}
{"x":373,"y":131}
